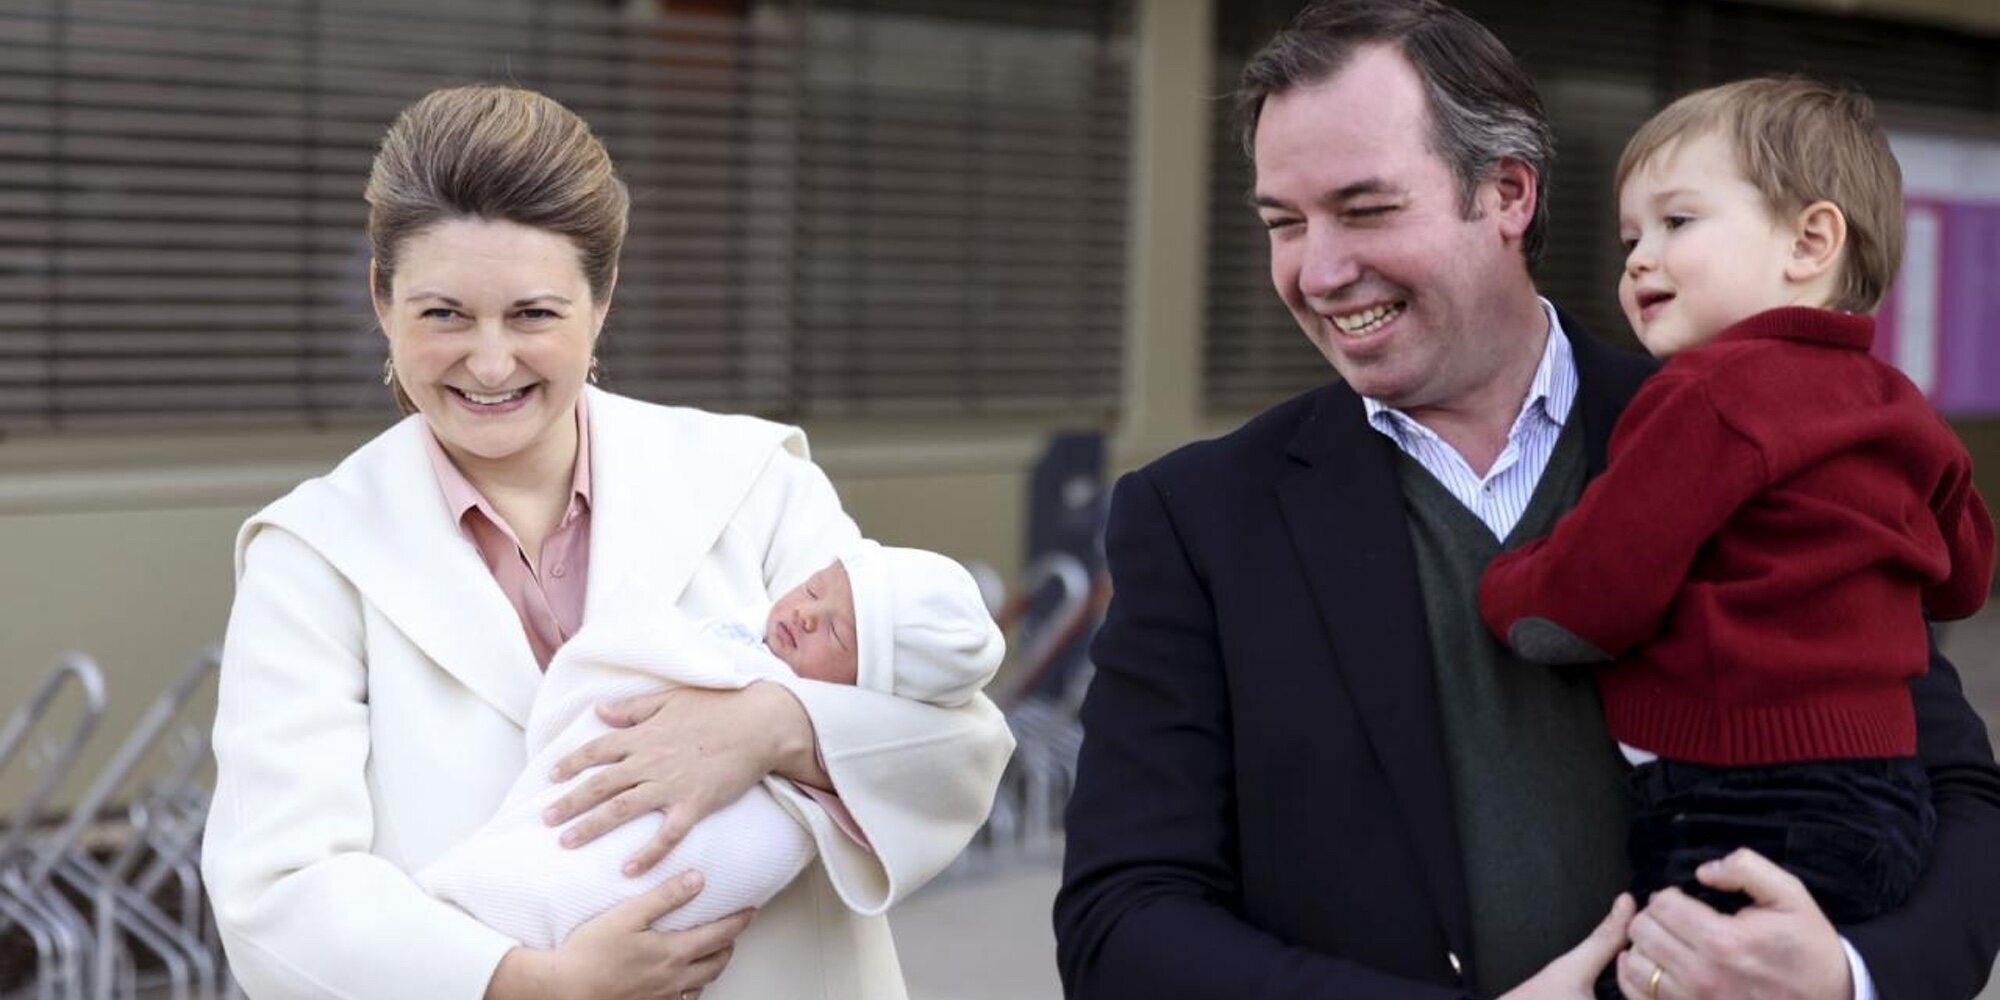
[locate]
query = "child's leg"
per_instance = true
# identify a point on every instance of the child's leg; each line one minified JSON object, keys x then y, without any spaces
{"x":1686,"y":815}
{"x":1679,"y":823}
{"x":1861,"y":852}
{"x":1856,"y":832}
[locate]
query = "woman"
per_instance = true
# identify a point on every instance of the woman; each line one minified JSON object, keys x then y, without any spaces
{"x":390,"y":619}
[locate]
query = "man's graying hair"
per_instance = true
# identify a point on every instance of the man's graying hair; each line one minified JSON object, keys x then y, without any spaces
{"x":1483,"y":107}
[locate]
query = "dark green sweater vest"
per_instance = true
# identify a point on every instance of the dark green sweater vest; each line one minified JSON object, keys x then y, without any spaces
{"x":1537,"y":784}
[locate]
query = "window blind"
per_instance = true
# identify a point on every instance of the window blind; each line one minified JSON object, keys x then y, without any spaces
{"x":837,"y":208}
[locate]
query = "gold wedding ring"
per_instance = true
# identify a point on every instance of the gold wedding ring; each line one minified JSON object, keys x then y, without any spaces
{"x":1652,"y":983}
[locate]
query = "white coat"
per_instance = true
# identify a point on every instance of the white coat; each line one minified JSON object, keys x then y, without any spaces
{"x":375,"y":683}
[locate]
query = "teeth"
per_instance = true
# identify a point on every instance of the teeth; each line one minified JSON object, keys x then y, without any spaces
{"x":493,"y":400}
{"x":1367,"y":321}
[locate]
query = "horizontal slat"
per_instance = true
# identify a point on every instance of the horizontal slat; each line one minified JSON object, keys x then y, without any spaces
{"x":360,"y":55}
{"x":919,"y":212}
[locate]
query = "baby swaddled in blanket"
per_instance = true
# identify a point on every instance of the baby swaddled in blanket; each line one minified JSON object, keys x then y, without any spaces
{"x":899,"y":621}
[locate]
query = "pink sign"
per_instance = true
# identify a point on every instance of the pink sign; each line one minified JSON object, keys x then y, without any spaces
{"x":1941,"y":322}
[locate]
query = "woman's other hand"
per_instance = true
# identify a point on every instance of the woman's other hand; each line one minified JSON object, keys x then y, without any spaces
{"x":618,"y":955}
{"x":685,"y":752}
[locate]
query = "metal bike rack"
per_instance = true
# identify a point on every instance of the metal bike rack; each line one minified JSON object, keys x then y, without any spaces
{"x":102,"y":922}
{"x":28,"y":898}
{"x":124,"y":915}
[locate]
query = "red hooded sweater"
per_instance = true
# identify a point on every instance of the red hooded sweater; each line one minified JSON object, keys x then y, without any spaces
{"x":1778,"y":513}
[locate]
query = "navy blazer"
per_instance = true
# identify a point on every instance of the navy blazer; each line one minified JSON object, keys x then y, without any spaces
{"x":1262,"y":808}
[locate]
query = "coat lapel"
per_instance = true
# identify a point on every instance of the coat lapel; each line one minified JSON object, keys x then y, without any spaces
{"x":665,"y":482}
{"x":381,"y":520}
{"x":1343,"y":507}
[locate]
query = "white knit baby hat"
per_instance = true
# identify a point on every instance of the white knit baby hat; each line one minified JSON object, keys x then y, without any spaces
{"x":922,"y":628}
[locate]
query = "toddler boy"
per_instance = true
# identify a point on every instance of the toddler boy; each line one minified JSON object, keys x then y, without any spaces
{"x":1778,"y":514}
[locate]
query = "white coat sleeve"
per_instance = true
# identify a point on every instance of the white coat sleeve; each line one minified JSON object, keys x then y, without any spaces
{"x":304,"y":908}
{"x":918,"y":779}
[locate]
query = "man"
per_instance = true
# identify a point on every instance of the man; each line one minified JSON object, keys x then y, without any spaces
{"x":1308,"y":771}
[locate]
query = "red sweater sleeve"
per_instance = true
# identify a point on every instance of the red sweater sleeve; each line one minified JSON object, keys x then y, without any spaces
{"x":1967,"y":524}
{"x":1608,"y":572}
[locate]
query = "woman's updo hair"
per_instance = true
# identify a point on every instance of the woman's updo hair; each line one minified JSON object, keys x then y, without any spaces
{"x":495,"y":153}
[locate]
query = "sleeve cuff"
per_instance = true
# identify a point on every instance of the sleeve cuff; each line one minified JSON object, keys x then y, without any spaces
{"x":836,"y":810}
{"x":1857,"y":967}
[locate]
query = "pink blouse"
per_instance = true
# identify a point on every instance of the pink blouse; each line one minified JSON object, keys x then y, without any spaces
{"x":547,"y":594}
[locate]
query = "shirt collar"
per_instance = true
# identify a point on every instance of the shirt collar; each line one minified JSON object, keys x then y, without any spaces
{"x":1550,"y":394}
{"x":461,"y":496}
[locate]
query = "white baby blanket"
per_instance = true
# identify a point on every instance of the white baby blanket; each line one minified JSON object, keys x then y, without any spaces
{"x":515,"y":877}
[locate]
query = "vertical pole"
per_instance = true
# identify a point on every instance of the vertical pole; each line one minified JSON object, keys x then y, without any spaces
{"x":1166,"y":226}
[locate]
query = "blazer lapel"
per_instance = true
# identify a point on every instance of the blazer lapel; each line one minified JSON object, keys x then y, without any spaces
{"x":1343,"y":507}
{"x":1606,"y":377}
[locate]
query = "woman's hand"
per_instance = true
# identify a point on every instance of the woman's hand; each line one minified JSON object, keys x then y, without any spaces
{"x":617,"y":956}
{"x":686,"y":752}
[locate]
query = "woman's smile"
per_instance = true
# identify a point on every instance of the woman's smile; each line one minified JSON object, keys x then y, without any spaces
{"x":493,"y":403}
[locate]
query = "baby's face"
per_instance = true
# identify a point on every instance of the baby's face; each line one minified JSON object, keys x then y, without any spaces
{"x":1703,"y":250}
{"x":811,"y":627}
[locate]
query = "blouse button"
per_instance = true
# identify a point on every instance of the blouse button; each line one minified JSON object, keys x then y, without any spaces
{"x":559,"y":570}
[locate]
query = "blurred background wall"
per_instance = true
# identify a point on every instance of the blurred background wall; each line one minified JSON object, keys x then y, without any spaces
{"x":934,"y":232}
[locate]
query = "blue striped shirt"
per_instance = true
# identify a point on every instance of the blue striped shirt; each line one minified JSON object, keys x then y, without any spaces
{"x":1500,"y":497}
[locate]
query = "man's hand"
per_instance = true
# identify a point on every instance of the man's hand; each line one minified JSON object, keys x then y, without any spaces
{"x":1572,"y":974}
{"x":1780,"y":947}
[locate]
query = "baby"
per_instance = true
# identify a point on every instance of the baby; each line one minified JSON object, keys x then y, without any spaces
{"x":1778,"y":514}
{"x":899,"y":621}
